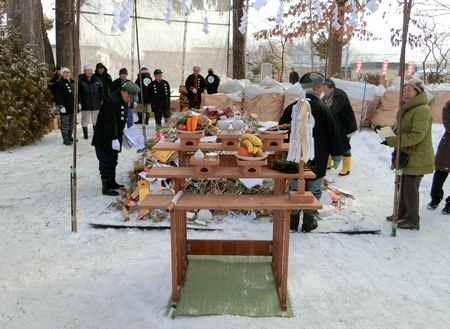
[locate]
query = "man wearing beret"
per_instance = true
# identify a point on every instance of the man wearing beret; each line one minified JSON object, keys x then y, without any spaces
{"x":109,"y":132}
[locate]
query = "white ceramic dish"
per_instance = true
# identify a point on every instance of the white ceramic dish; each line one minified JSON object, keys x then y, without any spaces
{"x":189,"y":132}
{"x":272,"y":132}
{"x":243,"y":158}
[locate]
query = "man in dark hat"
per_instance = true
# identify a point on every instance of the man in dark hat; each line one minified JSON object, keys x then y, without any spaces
{"x":160,"y":98}
{"x":329,"y":138}
{"x":123,"y":77}
{"x":212,"y":82}
{"x":293,"y":76}
{"x":143,"y":81}
{"x":108,"y":133}
{"x":102,"y":73}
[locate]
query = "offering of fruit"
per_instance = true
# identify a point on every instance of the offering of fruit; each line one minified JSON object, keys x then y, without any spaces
{"x":250,"y":146}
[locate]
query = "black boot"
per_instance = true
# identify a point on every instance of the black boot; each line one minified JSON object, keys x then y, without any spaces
{"x":106,"y":189}
{"x":139,"y":122}
{"x":309,"y":223}
{"x":113,"y":184}
{"x":295,"y":219}
{"x":85,"y":133}
{"x":147,"y":117}
{"x":70,"y":132}
{"x":65,"y":136}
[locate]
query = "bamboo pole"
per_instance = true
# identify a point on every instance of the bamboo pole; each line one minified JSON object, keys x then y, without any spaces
{"x":73,"y":168}
{"x":398,"y":172}
{"x":144,"y":130}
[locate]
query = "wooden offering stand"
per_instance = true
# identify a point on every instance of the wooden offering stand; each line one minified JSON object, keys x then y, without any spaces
{"x":272,"y":142}
{"x":278,"y":203}
{"x":190,"y":141}
{"x":204,"y":166}
{"x":229,"y":141}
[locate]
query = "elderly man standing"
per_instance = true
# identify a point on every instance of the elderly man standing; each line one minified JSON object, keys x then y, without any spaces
{"x":90,"y":97}
{"x":339,"y":103}
{"x":109,"y":132}
{"x":329,"y":138}
{"x":195,"y":85}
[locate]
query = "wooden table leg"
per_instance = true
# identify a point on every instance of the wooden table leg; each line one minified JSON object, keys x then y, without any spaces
{"x":174,"y":255}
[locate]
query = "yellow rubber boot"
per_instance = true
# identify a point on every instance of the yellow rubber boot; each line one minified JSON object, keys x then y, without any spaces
{"x":346,"y":164}
{"x":329,"y":162}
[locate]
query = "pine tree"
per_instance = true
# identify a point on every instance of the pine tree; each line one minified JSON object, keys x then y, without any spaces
{"x":25,"y":100}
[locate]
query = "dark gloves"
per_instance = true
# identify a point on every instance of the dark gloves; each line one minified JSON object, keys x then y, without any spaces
{"x":377,"y":127}
{"x":384,"y":143}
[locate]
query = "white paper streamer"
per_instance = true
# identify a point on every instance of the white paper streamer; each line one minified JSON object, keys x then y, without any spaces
{"x":168,"y":16}
{"x":280,"y":12}
{"x":372,"y":6}
{"x":116,"y":19}
{"x":205,"y":25}
{"x":101,"y":9}
{"x":186,"y":6}
{"x":335,"y":23}
{"x":244,"y":21}
{"x":125,"y":14}
{"x":318,"y":9}
{"x":259,"y":4}
{"x":353,"y":22}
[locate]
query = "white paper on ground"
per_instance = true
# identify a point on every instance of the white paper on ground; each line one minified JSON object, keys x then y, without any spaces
{"x":251,"y":182}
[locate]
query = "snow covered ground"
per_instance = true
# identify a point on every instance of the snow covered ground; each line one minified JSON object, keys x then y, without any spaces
{"x":106,"y":278}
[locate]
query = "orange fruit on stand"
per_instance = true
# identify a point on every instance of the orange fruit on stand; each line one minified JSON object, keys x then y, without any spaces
{"x":242,"y":150}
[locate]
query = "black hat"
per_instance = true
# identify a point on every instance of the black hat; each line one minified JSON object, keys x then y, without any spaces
{"x":59,"y":67}
{"x":123,"y":71}
{"x":157,"y":71}
{"x":99,"y":66}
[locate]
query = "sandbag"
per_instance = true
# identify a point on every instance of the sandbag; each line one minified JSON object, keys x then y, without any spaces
{"x":369,"y":110}
{"x":220,"y":101}
{"x":267,"y":106}
{"x":437,"y":103}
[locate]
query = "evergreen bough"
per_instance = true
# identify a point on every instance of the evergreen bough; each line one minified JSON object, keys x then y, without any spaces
{"x":25,"y":99}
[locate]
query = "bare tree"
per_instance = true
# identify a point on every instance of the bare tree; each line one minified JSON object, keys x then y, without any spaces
{"x":64,"y":24}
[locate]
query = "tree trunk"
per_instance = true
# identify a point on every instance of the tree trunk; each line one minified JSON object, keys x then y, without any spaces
{"x":64,"y":23}
{"x":239,"y":41}
{"x":335,"y":47}
{"x":27,"y":17}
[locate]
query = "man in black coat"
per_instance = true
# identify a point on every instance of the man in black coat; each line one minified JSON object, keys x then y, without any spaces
{"x":108,"y":133}
{"x":293,"y":76}
{"x":160,"y":98}
{"x":146,"y":79}
{"x":101,"y":72}
{"x":65,"y":92}
{"x":90,"y":97}
{"x":329,"y":138}
{"x":339,"y":103}
{"x":195,"y":85}
{"x":123,"y":77}
{"x":212,"y":82}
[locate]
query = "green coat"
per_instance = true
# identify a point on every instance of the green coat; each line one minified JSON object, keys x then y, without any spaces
{"x":416,"y":134}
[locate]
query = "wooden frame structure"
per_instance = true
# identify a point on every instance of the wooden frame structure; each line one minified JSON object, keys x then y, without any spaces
{"x":279,"y":203}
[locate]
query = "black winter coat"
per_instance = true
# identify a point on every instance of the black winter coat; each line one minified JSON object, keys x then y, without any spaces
{"x":212,"y":83}
{"x":340,"y":104}
{"x":90,"y":93}
{"x":117,"y":84}
{"x":106,"y":80}
{"x":200,"y":86}
{"x":65,"y":95}
{"x":329,"y":135}
{"x":52,"y":85}
{"x":160,"y":95}
{"x":111,"y":121}
{"x":146,"y":80}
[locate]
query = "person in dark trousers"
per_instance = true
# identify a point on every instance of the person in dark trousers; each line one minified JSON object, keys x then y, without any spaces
{"x":55,"y":78}
{"x":64,"y":101}
{"x":329,"y":138}
{"x":293,"y":76}
{"x":160,"y":98}
{"x":212,"y":82}
{"x":108,"y":134}
{"x":442,"y":162}
{"x":123,"y":77}
{"x":195,"y":86}
{"x":90,"y":98}
{"x":101,"y":72}
{"x":339,"y":103}
{"x":144,"y":75}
